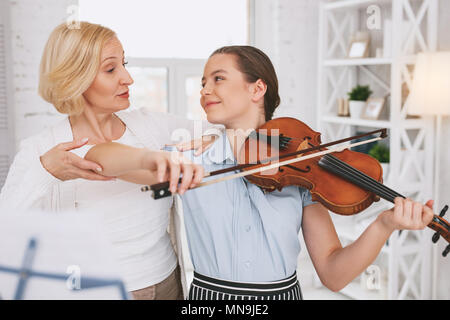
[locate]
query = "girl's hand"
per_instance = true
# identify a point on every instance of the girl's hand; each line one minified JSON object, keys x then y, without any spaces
{"x":200,"y":145}
{"x":408,"y":215}
{"x":170,"y":166}
{"x":65,"y":165}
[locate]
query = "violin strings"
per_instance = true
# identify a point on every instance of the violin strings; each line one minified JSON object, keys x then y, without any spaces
{"x":366,"y":177}
{"x":342,"y":172}
{"x":346,"y":171}
{"x":367,"y":180}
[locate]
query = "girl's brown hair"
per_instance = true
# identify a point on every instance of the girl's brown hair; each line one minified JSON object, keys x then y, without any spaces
{"x":255,"y":64}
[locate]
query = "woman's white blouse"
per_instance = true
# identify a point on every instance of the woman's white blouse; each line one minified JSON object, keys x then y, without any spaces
{"x":138,"y":235}
{"x":137,"y":224}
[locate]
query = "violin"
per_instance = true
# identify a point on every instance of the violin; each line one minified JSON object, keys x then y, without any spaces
{"x":285,"y":152}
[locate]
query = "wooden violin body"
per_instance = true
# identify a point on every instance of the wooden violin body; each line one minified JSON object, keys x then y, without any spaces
{"x":336,"y":194}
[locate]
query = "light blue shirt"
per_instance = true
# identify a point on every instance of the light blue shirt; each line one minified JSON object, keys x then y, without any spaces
{"x":236,"y":231}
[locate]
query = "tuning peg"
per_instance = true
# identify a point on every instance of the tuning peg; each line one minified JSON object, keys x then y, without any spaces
{"x":446,"y":251}
{"x":443,"y":211}
{"x":435,"y":237}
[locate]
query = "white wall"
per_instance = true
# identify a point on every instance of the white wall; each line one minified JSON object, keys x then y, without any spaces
{"x":31,"y":24}
{"x":287,"y":30}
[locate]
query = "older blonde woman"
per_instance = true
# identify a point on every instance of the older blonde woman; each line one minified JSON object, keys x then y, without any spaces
{"x":83,"y":75}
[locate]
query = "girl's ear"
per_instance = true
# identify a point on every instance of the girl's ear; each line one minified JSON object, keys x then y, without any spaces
{"x":259,"y":89}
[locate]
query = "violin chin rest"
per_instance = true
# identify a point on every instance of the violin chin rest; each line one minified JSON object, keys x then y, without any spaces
{"x":376,"y":198}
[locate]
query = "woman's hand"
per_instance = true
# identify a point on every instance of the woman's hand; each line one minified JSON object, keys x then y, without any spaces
{"x":168,"y":166}
{"x":200,"y":145}
{"x":64,"y":165}
{"x":407,"y":215}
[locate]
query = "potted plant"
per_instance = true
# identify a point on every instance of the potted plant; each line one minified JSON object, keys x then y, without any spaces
{"x":381,"y":152}
{"x":357,"y":100}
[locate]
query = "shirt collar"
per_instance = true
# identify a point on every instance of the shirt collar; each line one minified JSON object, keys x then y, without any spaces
{"x":221,"y":152}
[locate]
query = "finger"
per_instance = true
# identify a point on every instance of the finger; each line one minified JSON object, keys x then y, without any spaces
{"x":185,"y":146}
{"x":84,"y":164}
{"x":206,"y":144}
{"x":199,"y":151}
{"x":174,"y":176}
{"x":199,"y":173}
{"x":398,"y":208}
{"x":182,"y":146}
{"x":407,"y":209}
{"x":175,"y":157}
{"x":67,"y":146}
{"x":191,"y":145}
{"x":187,"y":177}
{"x":427,"y":215}
{"x":417,"y":215}
{"x":430,"y":204}
{"x":161,"y":170}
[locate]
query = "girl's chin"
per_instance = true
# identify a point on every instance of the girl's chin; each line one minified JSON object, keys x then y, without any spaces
{"x":213,"y":118}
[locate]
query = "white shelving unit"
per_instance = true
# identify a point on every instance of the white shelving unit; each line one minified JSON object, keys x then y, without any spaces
{"x":406,"y":259}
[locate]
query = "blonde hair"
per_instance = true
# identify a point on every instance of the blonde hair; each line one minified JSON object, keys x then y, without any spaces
{"x":70,"y":63}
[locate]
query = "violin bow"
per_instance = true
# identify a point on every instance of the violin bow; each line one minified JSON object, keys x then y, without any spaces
{"x":161,"y":190}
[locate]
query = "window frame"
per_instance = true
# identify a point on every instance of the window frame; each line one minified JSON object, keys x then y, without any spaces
{"x":178,"y":69}
{"x":177,"y":72}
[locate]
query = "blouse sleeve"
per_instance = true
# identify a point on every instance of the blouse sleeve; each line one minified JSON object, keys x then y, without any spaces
{"x":305,"y":195}
{"x":28,"y":184}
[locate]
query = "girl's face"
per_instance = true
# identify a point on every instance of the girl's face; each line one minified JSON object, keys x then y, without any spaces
{"x":109,"y":90}
{"x":226,"y":96}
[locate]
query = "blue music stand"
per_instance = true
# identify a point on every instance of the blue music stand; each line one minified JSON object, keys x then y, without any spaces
{"x":26,"y":272}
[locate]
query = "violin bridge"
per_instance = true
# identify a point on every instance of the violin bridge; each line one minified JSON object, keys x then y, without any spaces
{"x":302,"y":146}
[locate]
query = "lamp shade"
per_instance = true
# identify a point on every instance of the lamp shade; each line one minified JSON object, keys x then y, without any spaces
{"x":430,"y":92}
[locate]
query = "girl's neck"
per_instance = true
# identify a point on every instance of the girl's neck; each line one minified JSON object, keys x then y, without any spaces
{"x":98,"y":127}
{"x":238,"y":131}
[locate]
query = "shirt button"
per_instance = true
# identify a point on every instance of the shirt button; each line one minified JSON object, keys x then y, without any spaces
{"x":247,"y":264}
{"x":248,"y":228}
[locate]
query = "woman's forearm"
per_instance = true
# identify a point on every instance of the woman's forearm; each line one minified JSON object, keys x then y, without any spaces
{"x":345,"y":264}
{"x":117,"y":159}
{"x":144,"y":166}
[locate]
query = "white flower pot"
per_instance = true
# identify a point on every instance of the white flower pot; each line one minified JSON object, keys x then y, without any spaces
{"x":356,"y":108}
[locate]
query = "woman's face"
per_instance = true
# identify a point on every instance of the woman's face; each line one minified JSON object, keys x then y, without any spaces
{"x":109,"y":90}
{"x":226,"y":96}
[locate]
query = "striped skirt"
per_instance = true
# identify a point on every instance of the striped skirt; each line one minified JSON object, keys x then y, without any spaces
{"x":207,"y":288}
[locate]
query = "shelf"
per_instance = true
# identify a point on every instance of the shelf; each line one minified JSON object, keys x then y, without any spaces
{"x":358,"y":122}
{"x":357,"y":62}
{"x":414,"y":123}
{"x":409,"y":138}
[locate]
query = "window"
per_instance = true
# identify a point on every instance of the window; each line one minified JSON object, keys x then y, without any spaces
{"x":167,"y":44}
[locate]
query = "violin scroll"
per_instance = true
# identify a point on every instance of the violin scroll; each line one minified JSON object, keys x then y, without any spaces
{"x":442,"y":228}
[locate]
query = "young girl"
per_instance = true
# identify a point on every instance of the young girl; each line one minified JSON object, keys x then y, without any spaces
{"x":244,"y":242}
